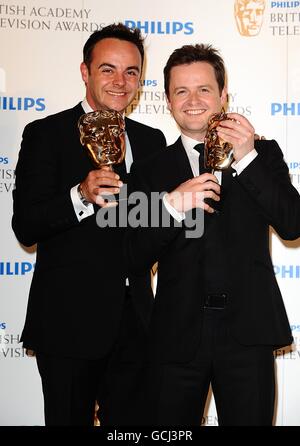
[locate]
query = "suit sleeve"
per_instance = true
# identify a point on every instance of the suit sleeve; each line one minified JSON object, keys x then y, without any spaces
{"x":267,"y":181}
{"x":40,"y":208}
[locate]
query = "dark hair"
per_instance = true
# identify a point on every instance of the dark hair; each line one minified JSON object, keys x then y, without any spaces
{"x":188,"y":54}
{"x":115,"y":31}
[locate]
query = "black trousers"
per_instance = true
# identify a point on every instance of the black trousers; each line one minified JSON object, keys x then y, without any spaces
{"x":242,"y":379}
{"x":71,"y":388}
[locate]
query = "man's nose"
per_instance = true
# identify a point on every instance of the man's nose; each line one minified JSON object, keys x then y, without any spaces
{"x":119,"y":79}
{"x":194,"y":96}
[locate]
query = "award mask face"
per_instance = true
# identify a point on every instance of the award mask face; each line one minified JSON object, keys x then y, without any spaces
{"x":102,"y":132}
{"x":218,"y":153}
{"x":249,"y":16}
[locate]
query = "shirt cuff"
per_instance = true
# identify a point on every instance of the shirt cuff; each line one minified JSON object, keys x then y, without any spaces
{"x":80,"y":209}
{"x":244,"y":162}
{"x":179,"y":216}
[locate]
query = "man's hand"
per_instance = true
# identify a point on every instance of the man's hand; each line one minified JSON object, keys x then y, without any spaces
{"x":99,"y":183}
{"x":191,"y":193}
{"x":258,"y":137}
{"x":240,"y":133}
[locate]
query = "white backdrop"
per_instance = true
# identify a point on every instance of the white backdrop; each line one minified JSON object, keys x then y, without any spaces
{"x":40,"y":52}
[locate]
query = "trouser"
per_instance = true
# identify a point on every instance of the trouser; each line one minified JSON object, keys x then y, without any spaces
{"x":71,"y":388}
{"x":242,"y":380}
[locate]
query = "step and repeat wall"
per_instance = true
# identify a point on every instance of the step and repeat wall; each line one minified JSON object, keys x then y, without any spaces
{"x":40,"y":53}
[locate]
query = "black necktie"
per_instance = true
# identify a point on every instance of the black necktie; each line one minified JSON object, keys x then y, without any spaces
{"x":202,"y":169}
{"x":120,"y":169}
{"x":200,"y":148}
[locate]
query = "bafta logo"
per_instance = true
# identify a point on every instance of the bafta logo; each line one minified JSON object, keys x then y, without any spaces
{"x":249,"y":16}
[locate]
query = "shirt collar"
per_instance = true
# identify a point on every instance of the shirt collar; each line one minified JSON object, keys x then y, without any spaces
{"x":188,"y":143}
{"x":86,"y":106}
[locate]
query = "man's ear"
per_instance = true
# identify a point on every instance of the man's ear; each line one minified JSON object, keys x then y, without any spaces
{"x":169,"y":107}
{"x":84,"y":72}
{"x":224,"y":97}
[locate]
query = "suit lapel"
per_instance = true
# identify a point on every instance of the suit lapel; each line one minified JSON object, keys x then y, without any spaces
{"x":135,"y":138}
{"x":172,"y":169}
{"x":183,"y":170}
{"x":78,"y":110}
{"x":227,"y":177}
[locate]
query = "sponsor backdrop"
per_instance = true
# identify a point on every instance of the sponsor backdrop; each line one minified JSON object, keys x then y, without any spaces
{"x":40,"y":53}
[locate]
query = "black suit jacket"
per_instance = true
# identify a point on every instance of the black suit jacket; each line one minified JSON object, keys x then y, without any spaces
{"x":262,"y":195}
{"x":77,"y":292}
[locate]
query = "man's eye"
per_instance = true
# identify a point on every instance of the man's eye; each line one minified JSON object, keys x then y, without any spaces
{"x":132,"y":73}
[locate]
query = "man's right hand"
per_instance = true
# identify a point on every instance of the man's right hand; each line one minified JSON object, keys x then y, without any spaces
{"x":99,"y":183}
{"x":191,"y":193}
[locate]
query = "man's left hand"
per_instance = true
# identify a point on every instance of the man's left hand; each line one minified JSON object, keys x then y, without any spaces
{"x":239,"y":132}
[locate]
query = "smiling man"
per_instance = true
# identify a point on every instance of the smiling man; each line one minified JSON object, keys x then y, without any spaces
{"x":218,"y":312}
{"x":78,"y":293}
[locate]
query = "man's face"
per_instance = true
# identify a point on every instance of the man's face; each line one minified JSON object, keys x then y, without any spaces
{"x":249,"y":16}
{"x":114,"y":74}
{"x":193,"y":97}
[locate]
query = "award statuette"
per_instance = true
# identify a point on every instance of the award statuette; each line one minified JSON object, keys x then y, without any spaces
{"x":102,"y":132}
{"x":218,"y":154}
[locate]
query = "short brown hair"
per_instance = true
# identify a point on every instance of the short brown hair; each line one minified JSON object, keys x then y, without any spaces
{"x":115,"y":31}
{"x":188,"y":54}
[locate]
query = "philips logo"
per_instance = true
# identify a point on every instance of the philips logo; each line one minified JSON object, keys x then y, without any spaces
{"x":12,"y":103}
{"x":2,"y":325}
{"x":287,"y":271}
{"x":285,"y":4}
{"x":285,"y":108}
{"x":3,"y":160}
{"x":153,"y":27}
{"x":16,"y":268}
{"x":149,"y":82}
{"x":292,"y":165}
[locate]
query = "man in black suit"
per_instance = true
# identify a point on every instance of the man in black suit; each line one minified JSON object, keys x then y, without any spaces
{"x":218,"y":312}
{"x":78,"y":290}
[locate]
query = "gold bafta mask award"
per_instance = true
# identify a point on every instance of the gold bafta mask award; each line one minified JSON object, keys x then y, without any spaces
{"x":218,"y":154}
{"x":102,"y":132}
